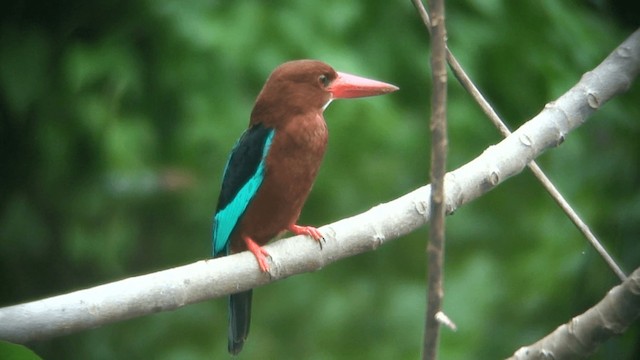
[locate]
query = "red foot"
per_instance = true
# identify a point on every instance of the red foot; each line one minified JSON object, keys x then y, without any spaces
{"x":307,"y":230}
{"x":260,"y":253}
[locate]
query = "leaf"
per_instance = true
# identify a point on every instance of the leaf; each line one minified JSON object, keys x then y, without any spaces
{"x":10,"y":351}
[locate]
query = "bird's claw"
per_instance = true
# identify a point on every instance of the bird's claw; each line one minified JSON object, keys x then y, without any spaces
{"x":260,"y":254}
{"x":321,"y":241}
{"x":262,"y":262}
{"x":309,"y":231}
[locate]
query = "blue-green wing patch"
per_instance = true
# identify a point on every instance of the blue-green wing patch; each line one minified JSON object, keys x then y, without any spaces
{"x":242,"y":178}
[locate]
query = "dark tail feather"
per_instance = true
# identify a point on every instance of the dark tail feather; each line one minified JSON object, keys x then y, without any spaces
{"x":239,"y":320}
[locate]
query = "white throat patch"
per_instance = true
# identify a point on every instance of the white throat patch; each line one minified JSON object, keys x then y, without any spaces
{"x":327,"y":104}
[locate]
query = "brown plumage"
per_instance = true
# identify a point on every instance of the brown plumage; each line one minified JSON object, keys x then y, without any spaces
{"x":291,"y":102}
{"x":272,"y":168}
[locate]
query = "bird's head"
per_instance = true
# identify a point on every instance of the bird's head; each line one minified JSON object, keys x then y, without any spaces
{"x":308,"y":86}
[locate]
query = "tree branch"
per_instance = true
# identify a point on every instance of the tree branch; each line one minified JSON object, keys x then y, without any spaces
{"x":436,"y":241}
{"x":207,"y":279}
{"x":581,"y":336}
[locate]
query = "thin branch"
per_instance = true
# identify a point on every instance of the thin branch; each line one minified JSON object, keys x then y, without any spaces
{"x":436,"y":241}
{"x":207,"y":279}
{"x":581,"y":336}
{"x":466,"y":82}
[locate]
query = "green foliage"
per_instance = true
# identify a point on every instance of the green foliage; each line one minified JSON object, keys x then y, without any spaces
{"x":9,"y":351}
{"x":116,"y":120}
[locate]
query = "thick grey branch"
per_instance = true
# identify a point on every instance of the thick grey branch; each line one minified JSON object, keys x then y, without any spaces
{"x":580,"y":337}
{"x":174,"y":288}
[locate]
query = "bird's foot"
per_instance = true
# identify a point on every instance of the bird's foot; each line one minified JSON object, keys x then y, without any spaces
{"x":260,"y":254}
{"x":309,"y":231}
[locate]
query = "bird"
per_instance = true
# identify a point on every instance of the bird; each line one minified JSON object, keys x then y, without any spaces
{"x":272,"y":167}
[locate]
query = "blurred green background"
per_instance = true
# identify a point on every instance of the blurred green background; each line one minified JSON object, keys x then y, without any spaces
{"x":117,"y":118}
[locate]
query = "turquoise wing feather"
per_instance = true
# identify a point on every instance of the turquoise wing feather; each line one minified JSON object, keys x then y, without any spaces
{"x":242,"y":178}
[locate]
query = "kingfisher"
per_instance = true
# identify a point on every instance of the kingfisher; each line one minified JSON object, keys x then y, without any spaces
{"x":273,"y":165}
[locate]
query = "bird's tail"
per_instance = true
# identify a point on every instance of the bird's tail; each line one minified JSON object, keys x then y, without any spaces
{"x":239,"y":320}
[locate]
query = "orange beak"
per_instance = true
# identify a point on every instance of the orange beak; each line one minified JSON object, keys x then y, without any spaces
{"x":347,"y":86}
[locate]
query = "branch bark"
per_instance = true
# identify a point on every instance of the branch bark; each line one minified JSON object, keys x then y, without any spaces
{"x":581,"y":336}
{"x":436,"y":241}
{"x":207,"y":279}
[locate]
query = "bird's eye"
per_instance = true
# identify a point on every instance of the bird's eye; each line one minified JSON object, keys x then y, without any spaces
{"x":324,"y":80}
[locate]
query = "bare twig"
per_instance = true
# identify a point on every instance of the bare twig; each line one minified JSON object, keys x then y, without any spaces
{"x":170,"y":289}
{"x":436,"y":241}
{"x":466,"y":82}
